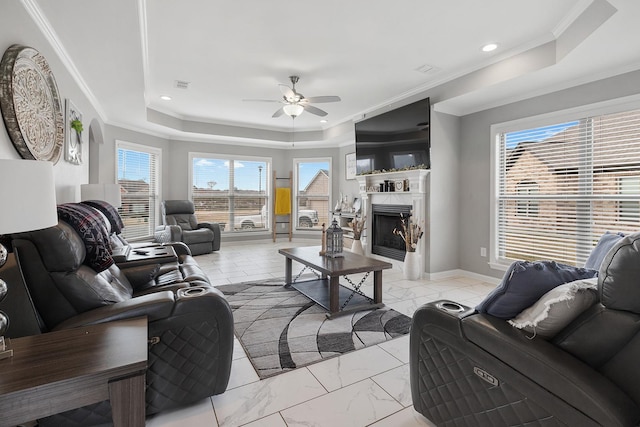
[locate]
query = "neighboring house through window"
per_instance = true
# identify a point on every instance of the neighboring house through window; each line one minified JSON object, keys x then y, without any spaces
{"x":138,"y":171}
{"x":312,"y":192}
{"x":559,"y":187}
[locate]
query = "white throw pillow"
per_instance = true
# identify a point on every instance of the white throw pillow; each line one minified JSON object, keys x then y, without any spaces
{"x":557,"y":308}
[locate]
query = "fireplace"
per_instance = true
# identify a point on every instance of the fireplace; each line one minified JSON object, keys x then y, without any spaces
{"x":385,"y":219}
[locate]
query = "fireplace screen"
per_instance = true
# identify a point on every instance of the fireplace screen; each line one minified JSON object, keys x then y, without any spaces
{"x":385,"y":219}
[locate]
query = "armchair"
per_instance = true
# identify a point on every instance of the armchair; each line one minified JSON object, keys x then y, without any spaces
{"x":471,"y":368}
{"x":190,"y":323}
{"x":181,"y":225}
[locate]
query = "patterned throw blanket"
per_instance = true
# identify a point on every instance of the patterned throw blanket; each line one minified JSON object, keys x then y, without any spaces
{"x":90,"y":226}
{"x":110,"y":212}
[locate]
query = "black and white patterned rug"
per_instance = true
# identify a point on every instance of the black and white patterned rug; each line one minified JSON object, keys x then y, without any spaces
{"x":281,"y":329}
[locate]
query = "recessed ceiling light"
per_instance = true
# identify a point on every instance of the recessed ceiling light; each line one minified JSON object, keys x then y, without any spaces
{"x":165,"y":98}
{"x":324,"y":121}
{"x":489,"y":47}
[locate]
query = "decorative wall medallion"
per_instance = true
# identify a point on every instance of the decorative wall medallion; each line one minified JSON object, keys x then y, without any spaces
{"x":73,"y":130}
{"x":30,"y":104}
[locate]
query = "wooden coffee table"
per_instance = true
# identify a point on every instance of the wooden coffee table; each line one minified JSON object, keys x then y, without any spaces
{"x":327,"y":291}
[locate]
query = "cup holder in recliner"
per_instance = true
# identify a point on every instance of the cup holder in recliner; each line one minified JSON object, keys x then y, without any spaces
{"x":191,"y":292}
{"x":450,"y":306}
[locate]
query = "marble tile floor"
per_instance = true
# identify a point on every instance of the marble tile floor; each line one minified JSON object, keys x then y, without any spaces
{"x":368,"y":387}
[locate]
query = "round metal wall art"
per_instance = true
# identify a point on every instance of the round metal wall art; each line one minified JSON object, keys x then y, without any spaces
{"x":30,"y":104}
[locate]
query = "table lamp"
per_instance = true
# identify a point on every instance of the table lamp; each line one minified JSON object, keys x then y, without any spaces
{"x":28,"y":192}
{"x":109,"y":193}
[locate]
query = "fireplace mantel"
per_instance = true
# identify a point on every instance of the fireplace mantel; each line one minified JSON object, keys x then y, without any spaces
{"x":416,"y":197}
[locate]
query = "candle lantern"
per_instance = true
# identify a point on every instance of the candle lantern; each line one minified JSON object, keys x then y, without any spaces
{"x":334,"y":240}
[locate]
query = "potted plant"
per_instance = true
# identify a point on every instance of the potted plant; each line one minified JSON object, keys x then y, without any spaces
{"x":411,"y":233}
{"x":358,"y":226}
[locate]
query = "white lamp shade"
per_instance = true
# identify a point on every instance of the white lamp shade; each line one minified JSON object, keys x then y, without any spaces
{"x":109,"y":193}
{"x":293,"y":110}
{"x":28,"y":194}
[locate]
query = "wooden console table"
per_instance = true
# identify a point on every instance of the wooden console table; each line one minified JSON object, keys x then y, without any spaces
{"x":68,"y":369}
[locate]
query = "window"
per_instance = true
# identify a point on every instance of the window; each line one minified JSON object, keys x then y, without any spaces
{"x":312,"y":192}
{"x":525,"y":205}
{"x":560,"y":187}
{"x":629,"y":210}
{"x":231,"y":191}
{"x":138,"y":172}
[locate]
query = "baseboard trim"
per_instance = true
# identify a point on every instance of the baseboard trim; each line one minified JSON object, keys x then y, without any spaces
{"x":457,"y":273}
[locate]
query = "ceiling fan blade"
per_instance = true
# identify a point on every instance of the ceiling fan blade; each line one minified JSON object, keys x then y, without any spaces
{"x":286,"y":91}
{"x":320,"y":99}
{"x":314,"y":110}
{"x":261,"y":100}
{"x":278,"y":113}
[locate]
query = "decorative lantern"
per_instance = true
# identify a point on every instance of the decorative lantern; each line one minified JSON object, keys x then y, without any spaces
{"x":334,"y":240}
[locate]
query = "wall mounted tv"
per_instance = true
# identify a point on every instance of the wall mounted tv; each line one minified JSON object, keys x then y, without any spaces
{"x":396,"y":139}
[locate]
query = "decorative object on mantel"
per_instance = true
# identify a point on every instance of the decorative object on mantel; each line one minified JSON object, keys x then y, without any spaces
{"x":73,"y":148}
{"x":30,"y":104}
{"x":410,"y":233}
{"x":408,"y":168}
{"x":334,"y":240}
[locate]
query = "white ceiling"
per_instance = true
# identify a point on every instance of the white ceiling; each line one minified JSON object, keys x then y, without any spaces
{"x":126,"y":54}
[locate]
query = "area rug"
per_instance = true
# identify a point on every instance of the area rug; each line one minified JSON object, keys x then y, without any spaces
{"x":281,"y":329}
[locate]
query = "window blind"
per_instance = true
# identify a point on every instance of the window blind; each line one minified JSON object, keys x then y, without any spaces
{"x":138,"y":171}
{"x":560,"y":187}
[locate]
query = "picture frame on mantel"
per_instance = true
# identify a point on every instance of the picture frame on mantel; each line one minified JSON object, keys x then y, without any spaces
{"x":350,"y":166}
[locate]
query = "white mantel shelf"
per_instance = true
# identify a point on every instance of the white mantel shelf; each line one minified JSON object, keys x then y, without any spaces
{"x":417,"y":181}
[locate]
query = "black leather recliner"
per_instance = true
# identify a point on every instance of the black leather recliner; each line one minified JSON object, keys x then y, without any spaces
{"x":472,"y":369}
{"x":181,"y":225}
{"x":190,"y":323}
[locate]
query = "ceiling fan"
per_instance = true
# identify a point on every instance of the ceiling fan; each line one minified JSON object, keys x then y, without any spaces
{"x":295,"y":102}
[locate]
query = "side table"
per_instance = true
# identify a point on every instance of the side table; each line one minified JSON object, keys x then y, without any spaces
{"x":68,"y":369}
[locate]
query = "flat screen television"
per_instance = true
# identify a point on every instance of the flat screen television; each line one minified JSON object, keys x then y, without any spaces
{"x":397,"y":139}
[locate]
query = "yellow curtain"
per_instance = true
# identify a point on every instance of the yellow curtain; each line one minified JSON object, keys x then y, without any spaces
{"x":283,"y":201}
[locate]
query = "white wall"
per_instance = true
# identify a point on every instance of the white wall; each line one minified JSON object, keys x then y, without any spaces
{"x":17,"y":27}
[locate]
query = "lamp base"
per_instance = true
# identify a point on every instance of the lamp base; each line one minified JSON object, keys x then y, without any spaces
{"x":5,"y":351}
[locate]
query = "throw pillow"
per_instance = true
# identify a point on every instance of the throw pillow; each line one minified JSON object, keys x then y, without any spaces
{"x":557,"y":308}
{"x":605,"y":243}
{"x":525,"y":282}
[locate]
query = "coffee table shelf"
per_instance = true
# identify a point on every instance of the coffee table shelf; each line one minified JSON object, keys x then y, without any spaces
{"x":318,"y":291}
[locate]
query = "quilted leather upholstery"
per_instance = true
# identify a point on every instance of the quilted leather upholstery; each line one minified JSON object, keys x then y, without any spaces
{"x":449,"y":393}
{"x":471,"y":369}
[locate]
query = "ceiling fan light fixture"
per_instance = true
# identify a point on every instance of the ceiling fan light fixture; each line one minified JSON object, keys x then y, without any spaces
{"x":293,"y":110}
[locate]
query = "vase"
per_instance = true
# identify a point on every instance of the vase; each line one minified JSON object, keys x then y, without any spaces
{"x":411,"y":267}
{"x":356,"y":247}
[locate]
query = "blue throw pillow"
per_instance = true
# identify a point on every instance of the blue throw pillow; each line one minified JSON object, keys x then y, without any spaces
{"x":525,"y":282}
{"x":606,"y":242}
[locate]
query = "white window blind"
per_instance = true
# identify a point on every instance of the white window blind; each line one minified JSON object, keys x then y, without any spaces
{"x":138,"y":174}
{"x":560,"y":187}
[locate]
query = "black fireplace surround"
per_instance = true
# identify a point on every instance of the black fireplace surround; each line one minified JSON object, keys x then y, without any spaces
{"x":385,"y":219}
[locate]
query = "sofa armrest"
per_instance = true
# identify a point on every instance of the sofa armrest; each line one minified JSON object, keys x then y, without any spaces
{"x":168,"y":233}
{"x":142,"y":276}
{"x":180,"y":248}
{"x":552,"y":368}
{"x":155,"y":306}
{"x":215,"y":227}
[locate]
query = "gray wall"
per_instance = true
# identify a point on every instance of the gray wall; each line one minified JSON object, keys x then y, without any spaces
{"x":17,"y":27}
{"x":475,"y":157}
